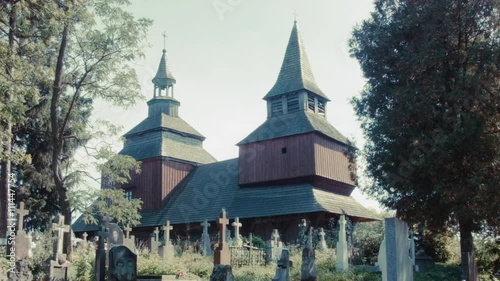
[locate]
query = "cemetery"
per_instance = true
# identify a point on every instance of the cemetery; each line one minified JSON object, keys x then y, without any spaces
{"x":155,"y":204}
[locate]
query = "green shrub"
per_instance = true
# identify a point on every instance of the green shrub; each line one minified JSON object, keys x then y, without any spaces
{"x":37,"y":263}
{"x":488,"y":257}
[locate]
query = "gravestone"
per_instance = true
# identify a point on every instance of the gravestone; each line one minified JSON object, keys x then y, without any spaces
{"x":115,"y":235}
{"x":222,"y":254}
{"x":154,"y":241}
{"x":284,"y":265}
{"x":322,"y":242}
{"x":238,"y":242}
{"x":222,"y":257}
{"x":222,"y":272}
{"x":302,"y":236}
{"x":166,"y":251}
{"x":58,"y":266}
{"x":122,"y":264}
{"x":396,"y":264}
{"x":84,"y":243}
{"x":129,"y":240}
{"x":274,"y":246}
{"x":22,"y":249}
{"x":342,"y":261}
{"x":206,"y":245}
{"x":308,"y":268}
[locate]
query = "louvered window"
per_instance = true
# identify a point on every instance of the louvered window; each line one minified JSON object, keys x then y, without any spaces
{"x":293,"y":102}
{"x":276,"y":106}
{"x":321,"y":107}
{"x":310,"y":102}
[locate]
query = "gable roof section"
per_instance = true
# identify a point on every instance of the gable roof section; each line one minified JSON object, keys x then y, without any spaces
{"x":293,"y":124}
{"x":295,"y":73}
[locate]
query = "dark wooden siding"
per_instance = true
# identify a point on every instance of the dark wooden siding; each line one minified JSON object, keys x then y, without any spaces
{"x":330,"y":160}
{"x":157,"y":179}
{"x":143,"y":184}
{"x":266,"y":161}
{"x":173,"y":174}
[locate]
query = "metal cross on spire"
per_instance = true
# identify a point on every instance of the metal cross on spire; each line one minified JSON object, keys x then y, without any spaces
{"x":164,"y":34}
{"x":294,"y":15}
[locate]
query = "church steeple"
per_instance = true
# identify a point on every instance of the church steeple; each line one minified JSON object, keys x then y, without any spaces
{"x":295,"y":89}
{"x":163,"y":80}
{"x":163,"y":96}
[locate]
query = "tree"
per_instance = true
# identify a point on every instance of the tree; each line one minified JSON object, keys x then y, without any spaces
{"x":84,"y":51}
{"x":430,"y":112}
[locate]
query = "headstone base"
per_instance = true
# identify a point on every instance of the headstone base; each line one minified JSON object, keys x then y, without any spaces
{"x":423,"y":263}
{"x":22,"y":272}
{"x":222,"y":272}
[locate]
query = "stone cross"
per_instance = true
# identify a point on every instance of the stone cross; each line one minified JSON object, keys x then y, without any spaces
{"x":322,"y":241}
{"x":236,"y":224}
{"x":166,"y":229}
{"x":275,"y":236}
{"x":60,"y":229}
{"x":205,"y":225}
{"x":127,"y":231}
{"x":310,"y":238}
{"x":342,"y":260}
{"x":222,"y":254}
{"x":156,"y":232}
{"x":223,"y":222}
{"x":21,"y":212}
{"x":85,"y":235}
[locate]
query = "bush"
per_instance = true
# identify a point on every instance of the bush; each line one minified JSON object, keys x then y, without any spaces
{"x":367,"y":237}
{"x":488,"y":257}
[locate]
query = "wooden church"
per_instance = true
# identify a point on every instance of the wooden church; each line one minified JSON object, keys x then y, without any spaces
{"x":294,"y":166}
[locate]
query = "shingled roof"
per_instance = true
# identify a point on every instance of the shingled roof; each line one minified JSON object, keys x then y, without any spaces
{"x":293,"y":124}
{"x":163,"y":73}
{"x":214,"y":186}
{"x":295,"y":73}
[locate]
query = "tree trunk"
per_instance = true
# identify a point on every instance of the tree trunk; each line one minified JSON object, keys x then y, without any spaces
{"x":58,"y":140}
{"x":469,"y":269}
{"x":7,"y":147}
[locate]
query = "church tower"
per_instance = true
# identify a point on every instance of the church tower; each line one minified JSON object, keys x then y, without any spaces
{"x":168,"y":147}
{"x":296,"y":144}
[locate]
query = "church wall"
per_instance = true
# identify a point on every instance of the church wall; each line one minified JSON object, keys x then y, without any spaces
{"x":268,"y":161}
{"x":173,"y":173}
{"x":330,"y":160}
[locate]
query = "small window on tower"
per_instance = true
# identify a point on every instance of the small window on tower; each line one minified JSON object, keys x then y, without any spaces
{"x":283,"y":150}
{"x":276,"y":106}
{"x":292,"y":102}
{"x":128,"y":194}
{"x":310,"y":102}
{"x":321,"y":107}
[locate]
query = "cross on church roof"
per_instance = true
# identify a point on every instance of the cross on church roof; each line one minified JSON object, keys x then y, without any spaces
{"x":164,"y":34}
{"x":21,"y":212}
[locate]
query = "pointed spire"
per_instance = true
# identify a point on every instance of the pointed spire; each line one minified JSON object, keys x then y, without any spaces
{"x":295,"y":73}
{"x":163,"y":75}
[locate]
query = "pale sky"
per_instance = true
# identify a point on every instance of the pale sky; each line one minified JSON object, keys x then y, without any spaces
{"x":226,"y":55}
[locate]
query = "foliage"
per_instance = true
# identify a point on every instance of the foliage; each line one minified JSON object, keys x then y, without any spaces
{"x":442,"y":272}
{"x":430,"y":111}
{"x":488,"y":257}
{"x":114,"y":203}
{"x":367,"y":238}
{"x":83,"y":265}
{"x":44,"y":247}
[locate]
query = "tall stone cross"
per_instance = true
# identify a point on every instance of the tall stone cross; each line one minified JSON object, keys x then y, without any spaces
{"x":127,"y":231}
{"x":205,"y":225}
{"x":275,"y":236}
{"x":342,"y":257}
{"x":236,"y":224}
{"x":222,"y":254}
{"x":60,"y":229}
{"x":223,"y":222}
{"x":166,"y":229}
{"x":21,"y":212}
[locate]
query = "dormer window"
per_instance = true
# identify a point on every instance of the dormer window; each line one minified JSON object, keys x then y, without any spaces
{"x":321,"y":107}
